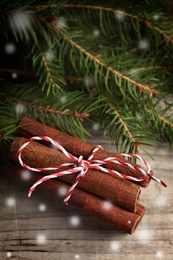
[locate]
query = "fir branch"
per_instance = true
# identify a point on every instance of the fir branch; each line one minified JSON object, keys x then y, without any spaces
{"x":166,"y":121}
{"x":52,"y":83}
{"x":162,"y":119}
{"x":66,"y":111}
{"x":116,"y":73}
{"x":123,"y":76}
{"x":123,"y":123}
{"x":168,"y":37}
{"x":148,"y":23}
{"x":51,"y":77}
{"x":45,"y":109}
{"x":165,"y":68}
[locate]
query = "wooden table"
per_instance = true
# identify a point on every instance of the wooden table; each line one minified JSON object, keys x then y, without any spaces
{"x":42,"y":228}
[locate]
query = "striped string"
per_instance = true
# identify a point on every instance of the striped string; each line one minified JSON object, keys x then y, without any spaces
{"x":81,"y":166}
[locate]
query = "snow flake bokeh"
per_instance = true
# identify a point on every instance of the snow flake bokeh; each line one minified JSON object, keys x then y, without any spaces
{"x":42,"y":207}
{"x":115,"y":246}
{"x":77,"y":257}
{"x":74,"y":221}
{"x":41,"y":239}
{"x":20,"y":108}
{"x":20,"y":21}
{"x":49,"y":55}
{"x":96,"y":32}
{"x":119,"y":15}
{"x":143,"y":44}
{"x":10,"y":48}
{"x":61,"y":22}
{"x":156,"y":17}
{"x":159,"y":254}
{"x":25,"y":175}
{"x":14,"y":75}
{"x":11,"y":202}
{"x":63,"y":99}
{"x":95,"y":127}
{"x":9,"y":254}
{"x":107,"y":205}
{"x":62,"y":191}
{"x":160,"y":201}
{"x":143,"y":236}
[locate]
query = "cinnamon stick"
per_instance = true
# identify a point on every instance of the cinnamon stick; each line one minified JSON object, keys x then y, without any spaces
{"x":119,"y":218}
{"x":75,"y":146}
{"x":112,"y":188}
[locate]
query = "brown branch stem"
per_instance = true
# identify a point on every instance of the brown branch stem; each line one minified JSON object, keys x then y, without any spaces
{"x":46,"y":109}
{"x":3,"y":137}
{"x":124,"y":126}
{"x":17,"y":71}
{"x":46,"y":65}
{"x":108,"y":9}
{"x":166,"y":121}
{"x":118,"y":74}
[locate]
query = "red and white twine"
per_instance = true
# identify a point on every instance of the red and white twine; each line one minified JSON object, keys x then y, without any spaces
{"x":81,"y":166}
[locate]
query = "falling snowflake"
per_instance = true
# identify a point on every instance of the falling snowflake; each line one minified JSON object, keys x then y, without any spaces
{"x":159,"y":254}
{"x":62,"y":191}
{"x":96,"y":32}
{"x":41,"y":239}
{"x":25,"y":175}
{"x":74,"y":221}
{"x":11,"y":202}
{"x":138,"y":116}
{"x":156,"y":17}
{"x":95,"y":127}
{"x":20,"y":108}
{"x":20,"y":21}
{"x":144,"y":236}
{"x":77,"y":256}
{"x":14,"y":75}
{"x":143,"y":44}
{"x":129,"y":222}
{"x":8,"y":254}
{"x":49,"y":55}
{"x":120,"y":15}
{"x":107,"y":205}
{"x":42,"y":207}
{"x":63,"y":99}
{"x":115,"y":246}
{"x":10,"y":48}
{"x":61,"y":22}
{"x":160,"y":201}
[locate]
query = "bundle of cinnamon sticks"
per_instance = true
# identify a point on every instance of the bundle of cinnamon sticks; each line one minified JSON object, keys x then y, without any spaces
{"x":92,"y":191}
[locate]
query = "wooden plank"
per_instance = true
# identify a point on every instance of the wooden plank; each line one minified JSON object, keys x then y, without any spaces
{"x":142,"y":236}
{"x":66,"y":256}
{"x":85,"y":246}
{"x":21,"y":224}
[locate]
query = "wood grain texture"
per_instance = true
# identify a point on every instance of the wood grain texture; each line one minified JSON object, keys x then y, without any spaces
{"x":22,"y":223}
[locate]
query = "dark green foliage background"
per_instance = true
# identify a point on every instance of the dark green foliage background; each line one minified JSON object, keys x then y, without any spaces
{"x":106,"y":78}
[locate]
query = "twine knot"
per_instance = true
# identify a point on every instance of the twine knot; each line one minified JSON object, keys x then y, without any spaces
{"x":84,"y":164}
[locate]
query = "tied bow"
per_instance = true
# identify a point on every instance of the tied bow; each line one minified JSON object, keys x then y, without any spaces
{"x":81,"y":166}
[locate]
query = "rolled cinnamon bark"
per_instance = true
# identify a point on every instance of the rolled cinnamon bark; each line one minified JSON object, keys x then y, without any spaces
{"x":75,"y":146}
{"x":112,"y":188}
{"x":119,"y":218}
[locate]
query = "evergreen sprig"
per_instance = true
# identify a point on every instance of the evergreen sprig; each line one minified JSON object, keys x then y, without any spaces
{"x":106,"y":62}
{"x":65,"y":111}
